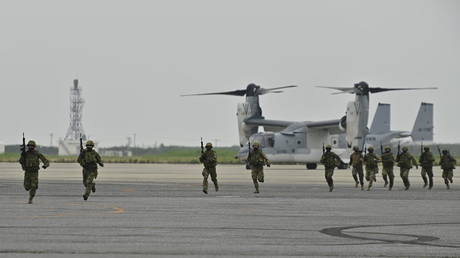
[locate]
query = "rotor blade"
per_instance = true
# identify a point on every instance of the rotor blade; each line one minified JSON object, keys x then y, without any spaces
{"x":342,"y":89}
{"x":378,"y":89}
{"x":263,"y":91}
{"x":231,"y":93}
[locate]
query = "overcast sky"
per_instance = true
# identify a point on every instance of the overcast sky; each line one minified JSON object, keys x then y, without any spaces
{"x":134,"y":59}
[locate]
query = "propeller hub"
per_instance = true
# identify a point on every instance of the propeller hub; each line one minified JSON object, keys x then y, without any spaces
{"x":252,"y":90}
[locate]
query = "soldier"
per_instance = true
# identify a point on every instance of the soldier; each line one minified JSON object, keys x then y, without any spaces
{"x":447,"y":163}
{"x":330,"y":160}
{"x":426,"y":161}
{"x":371,"y":161}
{"x":388,"y":161}
{"x":89,"y":159}
{"x":256,"y":161}
{"x":356,"y":161}
{"x":405,"y":162}
{"x":209,"y":160}
{"x":30,"y":163}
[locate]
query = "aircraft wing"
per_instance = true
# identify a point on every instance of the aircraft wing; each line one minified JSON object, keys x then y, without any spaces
{"x":269,"y":125}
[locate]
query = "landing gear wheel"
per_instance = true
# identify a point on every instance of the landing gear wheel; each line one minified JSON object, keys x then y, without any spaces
{"x":312,"y":165}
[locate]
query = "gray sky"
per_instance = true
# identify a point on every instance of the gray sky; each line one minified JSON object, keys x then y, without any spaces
{"x":134,"y":59}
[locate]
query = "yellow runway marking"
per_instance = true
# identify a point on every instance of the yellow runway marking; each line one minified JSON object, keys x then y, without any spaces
{"x":118,"y":210}
{"x":128,"y":190}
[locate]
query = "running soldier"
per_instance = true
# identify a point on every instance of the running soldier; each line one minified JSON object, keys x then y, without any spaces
{"x":89,"y":159}
{"x":371,"y":161}
{"x":257,"y":160}
{"x":388,"y":162}
{"x":447,"y":163}
{"x":426,"y":161}
{"x":356,"y":162}
{"x":405,"y":162}
{"x":30,"y":163}
{"x":330,"y":160}
{"x":209,"y":160}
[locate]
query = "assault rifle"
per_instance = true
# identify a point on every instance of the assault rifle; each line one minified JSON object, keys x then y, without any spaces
{"x":381,"y":148}
{"x":324,"y":150}
{"x":202,"y":147}
{"x":23,"y":146}
{"x":81,"y":144}
{"x":399,"y":149}
{"x":249,"y":156}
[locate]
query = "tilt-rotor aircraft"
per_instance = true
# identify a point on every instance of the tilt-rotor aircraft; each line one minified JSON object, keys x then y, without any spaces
{"x":302,"y":142}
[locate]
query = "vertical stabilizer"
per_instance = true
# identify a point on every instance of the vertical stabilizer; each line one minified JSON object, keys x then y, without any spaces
{"x":382,"y":118}
{"x":423,"y":126}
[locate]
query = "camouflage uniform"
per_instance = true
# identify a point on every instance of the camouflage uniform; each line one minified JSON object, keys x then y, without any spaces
{"x":371,"y":162}
{"x":356,"y":162}
{"x":388,"y":161}
{"x":256,"y":161}
{"x":405,"y":161}
{"x":30,"y":163}
{"x":447,"y":163}
{"x":209,"y":160}
{"x":89,"y":159}
{"x":426,"y":162}
{"x":330,"y":160}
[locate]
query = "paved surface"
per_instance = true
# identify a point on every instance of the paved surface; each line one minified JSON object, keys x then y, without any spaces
{"x":148,"y":210}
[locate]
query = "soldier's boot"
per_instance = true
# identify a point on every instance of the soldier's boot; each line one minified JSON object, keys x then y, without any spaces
{"x":431,"y":183}
{"x":385,"y":178}
{"x":362,"y":187}
{"x":451,"y":180}
{"x":370,"y":185}
{"x":425,"y":181}
{"x":446,"y":181}
{"x":330,"y":182}
{"x":87,"y":192}
{"x":355,"y":177}
{"x":93,"y":189}
{"x":216,"y":186}
{"x":406,"y":184}
{"x":391,"y":183}
{"x":31,"y":195}
{"x":256,"y":186}
{"x":205,"y":186}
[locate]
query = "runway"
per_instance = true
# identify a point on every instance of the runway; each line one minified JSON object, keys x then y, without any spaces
{"x":150,"y":210}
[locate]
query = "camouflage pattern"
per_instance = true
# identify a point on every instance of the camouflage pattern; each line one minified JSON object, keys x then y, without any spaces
{"x":89,"y":159}
{"x":371,"y":162}
{"x":405,"y":161}
{"x":388,"y":162}
{"x":356,"y":162}
{"x":330,"y":160}
{"x":30,"y":163}
{"x":209,"y":160}
{"x":426,"y":162}
{"x":256,"y":161}
{"x":447,"y":164}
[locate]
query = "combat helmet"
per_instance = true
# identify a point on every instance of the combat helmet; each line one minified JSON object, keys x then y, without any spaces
{"x":208,"y":145}
{"x":90,"y":143}
{"x":370,"y":149}
{"x":328,"y":147}
{"x":388,"y":148}
{"x":356,"y":148}
{"x":405,"y":148}
{"x":256,"y":145}
{"x":31,"y":143}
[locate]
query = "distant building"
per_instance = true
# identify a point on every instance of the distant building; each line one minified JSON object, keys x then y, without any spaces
{"x":116,"y":153}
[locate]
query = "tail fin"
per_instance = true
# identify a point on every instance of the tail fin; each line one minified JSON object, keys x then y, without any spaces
{"x":423,"y":127}
{"x":381,"y":123}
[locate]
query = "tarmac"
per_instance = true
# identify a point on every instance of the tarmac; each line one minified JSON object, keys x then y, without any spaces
{"x":147,"y":210}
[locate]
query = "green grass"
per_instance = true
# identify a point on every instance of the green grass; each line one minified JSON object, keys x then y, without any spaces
{"x":174,"y":155}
